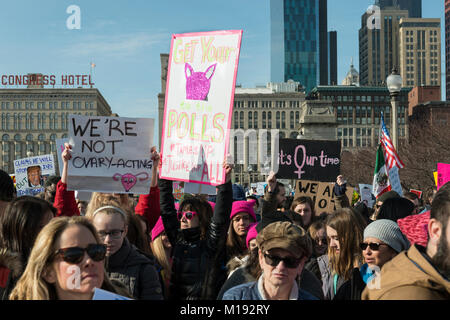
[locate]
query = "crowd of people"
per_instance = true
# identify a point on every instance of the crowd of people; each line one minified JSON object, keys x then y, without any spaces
{"x":230,"y":247}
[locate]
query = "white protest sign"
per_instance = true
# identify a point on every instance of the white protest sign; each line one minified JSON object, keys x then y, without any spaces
{"x":110,"y":154}
{"x":197,"y":188}
{"x":365,"y":190}
{"x":59,"y":144}
{"x":32,"y":172}
{"x":199,"y":103}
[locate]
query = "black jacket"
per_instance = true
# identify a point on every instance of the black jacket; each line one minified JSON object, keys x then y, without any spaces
{"x":198,"y":266}
{"x":136,"y":271}
{"x":351,"y":289}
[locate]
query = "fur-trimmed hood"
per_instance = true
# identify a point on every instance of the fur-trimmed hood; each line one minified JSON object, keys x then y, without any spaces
{"x":12,"y":261}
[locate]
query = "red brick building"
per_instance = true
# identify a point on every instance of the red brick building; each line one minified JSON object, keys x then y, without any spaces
{"x":422,"y":94}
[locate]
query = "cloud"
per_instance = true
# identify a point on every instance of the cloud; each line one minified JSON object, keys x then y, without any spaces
{"x":118,"y":46}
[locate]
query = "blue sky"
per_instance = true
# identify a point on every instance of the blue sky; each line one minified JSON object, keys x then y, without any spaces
{"x":125,"y":38}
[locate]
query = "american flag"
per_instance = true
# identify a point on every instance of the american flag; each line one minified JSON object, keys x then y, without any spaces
{"x":391,"y":156}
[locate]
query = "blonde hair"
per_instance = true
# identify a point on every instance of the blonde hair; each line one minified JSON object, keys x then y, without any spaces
{"x":109,"y":204}
{"x":159,"y":253}
{"x":31,"y":285}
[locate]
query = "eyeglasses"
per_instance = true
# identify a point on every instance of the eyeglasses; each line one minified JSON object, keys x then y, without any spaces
{"x":114,"y":234}
{"x":187,"y":214}
{"x":75,"y":255}
{"x":373,"y":246}
{"x":289,"y":262}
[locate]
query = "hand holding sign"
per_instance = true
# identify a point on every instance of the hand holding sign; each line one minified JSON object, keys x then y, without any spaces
{"x":271,"y":181}
{"x":228,"y":169}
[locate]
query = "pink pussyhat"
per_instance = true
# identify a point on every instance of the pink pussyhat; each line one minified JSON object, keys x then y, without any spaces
{"x":212,"y":204}
{"x":252,"y":233}
{"x":157,"y":229}
{"x":243,"y":206}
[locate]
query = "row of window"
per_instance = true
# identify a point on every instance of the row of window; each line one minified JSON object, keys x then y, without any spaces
{"x":382,"y":98}
{"x":63,"y":105}
{"x":32,"y":121}
{"x":29,"y":137}
{"x":266,"y":104}
{"x":280,"y":117}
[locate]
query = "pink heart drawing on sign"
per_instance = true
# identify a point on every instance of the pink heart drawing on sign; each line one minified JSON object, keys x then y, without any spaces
{"x":129,"y":180}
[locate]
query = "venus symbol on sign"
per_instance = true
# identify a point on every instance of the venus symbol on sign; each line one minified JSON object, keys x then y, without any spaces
{"x":129,"y":180}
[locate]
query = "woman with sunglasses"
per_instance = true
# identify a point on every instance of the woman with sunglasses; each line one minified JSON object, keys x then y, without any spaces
{"x":19,"y":226}
{"x":197,"y":238}
{"x":124,"y":262}
{"x":66,"y":263}
{"x":344,"y":233}
{"x":383,"y":240}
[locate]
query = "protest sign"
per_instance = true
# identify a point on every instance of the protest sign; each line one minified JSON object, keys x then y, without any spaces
{"x":199,"y":102}
{"x":198,"y":188}
{"x":110,"y":154}
{"x":32,"y":172}
{"x":365,"y":190}
{"x":59,"y":144}
{"x":443,"y":174}
{"x":309,"y":159}
{"x":321,"y":193}
{"x":100,"y":294}
{"x":417,"y":192}
{"x":178,"y":190}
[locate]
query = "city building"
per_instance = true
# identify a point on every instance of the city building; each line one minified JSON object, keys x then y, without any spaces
{"x":432,"y":113}
{"x":358,"y":111}
{"x":420,"y":52}
{"x":352,"y":77}
{"x":379,"y":48}
{"x":300,"y":43}
{"x":447,"y":49}
{"x":33,"y":117}
{"x":332,"y":57}
{"x":422,"y":94}
{"x":414,"y":7}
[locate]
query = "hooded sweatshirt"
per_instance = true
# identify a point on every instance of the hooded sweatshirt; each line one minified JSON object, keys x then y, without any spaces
{"x":409,"y":276}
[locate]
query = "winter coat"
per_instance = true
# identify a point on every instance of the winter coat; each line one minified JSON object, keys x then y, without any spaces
{"x":65,"y":202}
{"x":11,"y":269}
{"x":329,"y":284}
{"x":353,"y":288}
{"x":136,"y":271}
{"x":251,"y":291}
{"x":410,"y":276}
{"x":198,"y":265}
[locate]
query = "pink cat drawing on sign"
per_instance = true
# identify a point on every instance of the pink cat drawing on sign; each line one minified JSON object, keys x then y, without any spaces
{"x":198,"y":83}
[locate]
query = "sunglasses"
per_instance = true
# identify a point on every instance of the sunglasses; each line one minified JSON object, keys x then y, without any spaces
{"x":187,"y":214}
{"x":289,"y":262}
{"x":75,"y":255}
{"x":373,"y":246}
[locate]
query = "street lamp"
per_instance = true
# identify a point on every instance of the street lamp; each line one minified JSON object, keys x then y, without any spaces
{"x":394,"y":84}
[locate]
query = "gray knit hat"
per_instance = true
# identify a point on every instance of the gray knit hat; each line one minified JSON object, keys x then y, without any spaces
{"x":389,"y":232}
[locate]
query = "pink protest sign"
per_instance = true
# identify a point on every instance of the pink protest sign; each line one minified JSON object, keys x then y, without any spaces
{"x":199,"y":103}
{"x":443,"y":174}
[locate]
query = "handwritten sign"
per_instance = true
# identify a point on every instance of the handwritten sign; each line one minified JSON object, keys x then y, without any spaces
{"x":365,"y":191}
{"x":309,"y":159}
{"x":198,"y":188}
{"x":110,"y":154}
{"x":443,"y":174}
{"x":31,"y":174}
{"x":199,"y":103}
{"x":178,"y":190}
{"x":321,"y":193}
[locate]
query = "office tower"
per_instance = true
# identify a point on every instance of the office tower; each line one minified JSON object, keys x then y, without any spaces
{"x":420,"y":48}
{"x":378,"y":47}
{"x":299,"y":42}
{"x":332,"y":57}
{"x":414,"y":7}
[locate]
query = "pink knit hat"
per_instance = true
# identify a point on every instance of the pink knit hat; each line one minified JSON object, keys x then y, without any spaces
{"x":415,"y":228}
{"x":157,"y":229}
{"x":212,"y":205}
{"x":252,"y":233}
{"x":243,"y":206}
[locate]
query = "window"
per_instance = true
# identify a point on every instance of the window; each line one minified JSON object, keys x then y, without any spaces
{"x":41,"y":137}
{"x":291,"y":120}
{"x":17,"y":137}
{"x":236,"y":119}
{"x":255,"y":120}
{"x":278,"y":119}
{"x":241,"y":119}
{"x":269,"y":119}
{"x":264,"y":122}
{"x":250,"y":120}
{"x":283,"y":120}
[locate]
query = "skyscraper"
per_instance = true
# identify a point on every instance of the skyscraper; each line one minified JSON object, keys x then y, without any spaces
{"x":420,"y":51}
{"x":332,"y":57}
{"x":414,"y":7}
{"x":378,"y":47}
{"x":299,"y":42}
